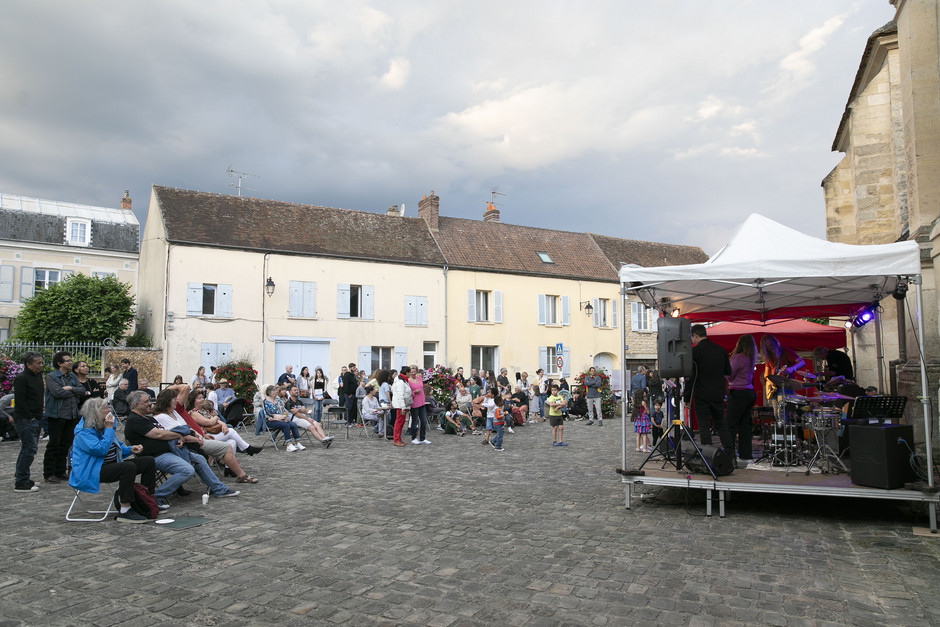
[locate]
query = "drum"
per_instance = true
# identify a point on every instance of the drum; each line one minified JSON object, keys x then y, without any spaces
{"x":822,"y":420}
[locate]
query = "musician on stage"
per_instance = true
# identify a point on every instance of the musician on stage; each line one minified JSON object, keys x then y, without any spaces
{"x":741,"y":397}
{"x":707,"y":388}
{"x":834,"y":363}
{"x":778,"y":360}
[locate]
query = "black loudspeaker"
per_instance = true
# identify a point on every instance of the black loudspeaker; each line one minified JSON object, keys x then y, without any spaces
{"x":674,"y":347}
{"x":878,"y":459}
{"x":720,"y":462}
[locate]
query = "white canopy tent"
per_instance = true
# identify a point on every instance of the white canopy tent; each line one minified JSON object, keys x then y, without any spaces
{"x":769,"y":271}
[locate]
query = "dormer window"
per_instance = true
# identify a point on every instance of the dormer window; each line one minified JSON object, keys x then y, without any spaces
{"x":544,"y":257}
{"x":77,"y":232}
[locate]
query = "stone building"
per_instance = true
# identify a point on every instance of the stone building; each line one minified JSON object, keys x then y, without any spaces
{"x":887,"y":186}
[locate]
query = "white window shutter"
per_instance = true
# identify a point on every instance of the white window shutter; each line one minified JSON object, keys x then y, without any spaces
{"x":401,"y":355}
{"x":596,"y":314}
{"x":223,"y":354}
{"x":295,"y":307}
{"x":223,"y":301}
{"x":422,"y":303}
{"x":566,"y":368}
{"x":614,"y":311}
{"x":194,"y":299}
{"x":411,"y":311}
{"x":365,"y":359}
{"x":471,"y":305}
{"x":7,"y":273}
{"x":541,"y":308}
{"x":67,"y":273}
{"x":342,"y":301}
{"x":498,"y":307}
{"x":565,"y":314}
{"x":368,"y":302}
{"x":26,"y":283}
{"x":310,"y":300}
{"x":634,"y":316}
{"x":543,"y":358}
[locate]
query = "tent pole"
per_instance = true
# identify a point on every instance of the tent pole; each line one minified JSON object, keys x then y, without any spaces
{"x":924,"y":398}
{"x":624,"y":390}
{"x":879,"y":354}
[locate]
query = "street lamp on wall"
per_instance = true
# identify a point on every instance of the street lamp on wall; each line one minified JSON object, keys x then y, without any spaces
{"x":269,"y":287}
{"x":586,"y":307}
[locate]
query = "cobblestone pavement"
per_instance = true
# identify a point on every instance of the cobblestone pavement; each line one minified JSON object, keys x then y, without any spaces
{"x":456,"y":533}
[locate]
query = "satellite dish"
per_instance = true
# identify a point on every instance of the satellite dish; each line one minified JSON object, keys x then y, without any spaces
{"x":401,"y":210}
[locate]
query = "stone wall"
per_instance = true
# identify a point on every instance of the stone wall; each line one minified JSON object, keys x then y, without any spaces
{"x":147,"y":361}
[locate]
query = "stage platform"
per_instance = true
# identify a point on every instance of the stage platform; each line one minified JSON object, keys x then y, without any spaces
{"x":774,"y":482}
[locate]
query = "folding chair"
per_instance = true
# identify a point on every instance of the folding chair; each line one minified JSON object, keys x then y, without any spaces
{"x":72,"y":512}
{"x":335,"y":415}
{"x":261,"y":424}
{"x":368,"y":426}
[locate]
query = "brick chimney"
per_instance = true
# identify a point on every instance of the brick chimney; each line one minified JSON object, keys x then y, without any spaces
{"x":126,"y":201}
{"x":491,"y":214}
{"x":392,"y":211}
{"x":429,"y":209}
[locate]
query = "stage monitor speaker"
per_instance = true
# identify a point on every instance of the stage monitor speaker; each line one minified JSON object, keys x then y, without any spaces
{"x":720,"y":461}
{"x":674,"y":347}
{"x":878,"y":459}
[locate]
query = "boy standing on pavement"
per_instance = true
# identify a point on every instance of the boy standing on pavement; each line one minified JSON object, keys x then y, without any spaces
{"x":555,"y":403}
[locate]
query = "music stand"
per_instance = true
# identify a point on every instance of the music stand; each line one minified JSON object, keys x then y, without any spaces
{"x":878,"y":408}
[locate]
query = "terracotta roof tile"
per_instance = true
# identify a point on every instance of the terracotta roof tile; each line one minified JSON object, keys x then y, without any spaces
{"x":238,"y":222}
{"x":647,"y":254}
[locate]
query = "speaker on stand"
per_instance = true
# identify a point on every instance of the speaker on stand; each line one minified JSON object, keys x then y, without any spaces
{"x":674,"y":347}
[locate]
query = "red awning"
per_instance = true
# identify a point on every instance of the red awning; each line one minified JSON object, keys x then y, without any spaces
{"x":800,"y":335}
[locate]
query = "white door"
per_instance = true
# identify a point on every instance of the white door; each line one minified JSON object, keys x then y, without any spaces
{"x":300,"y":354}
{"x":605,"y":362}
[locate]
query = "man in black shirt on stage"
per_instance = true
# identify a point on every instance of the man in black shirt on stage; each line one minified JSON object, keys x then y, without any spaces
{"x":707,"y":387}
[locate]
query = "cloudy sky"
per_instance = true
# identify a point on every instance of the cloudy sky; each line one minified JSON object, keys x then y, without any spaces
{"x":667,"y":121}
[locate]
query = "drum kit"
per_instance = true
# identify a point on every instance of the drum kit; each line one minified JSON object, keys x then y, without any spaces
{"x":802,"y":427}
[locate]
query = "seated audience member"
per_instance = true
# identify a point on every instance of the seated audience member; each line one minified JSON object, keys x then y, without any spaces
{"x":98,"y":456}
{"x":170,"y":413}
{"x":520,"y":404}
{"x":371,"y":411}
{"x":119,"y":402}
{"x":276,"y":417}
{"x":298,"y":411}
{"x":577,"y":406}
{"x":232,"y":409}
{"x":478,"y":412}
{"x":201,"y":411}
{"x":463,"y":398}
{"x":145,"y":387}
{"x":7,"y":428}
{"x":456,"y":422}
{"x":168,"y":451}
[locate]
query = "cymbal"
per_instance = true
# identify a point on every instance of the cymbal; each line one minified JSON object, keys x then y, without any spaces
{"x":834,"y":396}
{"x":788,"y":384}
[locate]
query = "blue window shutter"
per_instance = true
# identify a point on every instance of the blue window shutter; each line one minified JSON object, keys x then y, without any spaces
{"x":365,"y":359}
{"x":411,"y":311}
{"x":194,"y":299}
{"x":614,"y":311}
{"x":541,"y":309}
{"x":634,"y":316}
{"x":223,"y":301}
{"x":295,"y":306}
{"x":471,"y":305}
{"x":566,"y":368}
{"x":7,"y":274}
{"x":498,"y":307}
{"x":565,"y":315}
{"x":342,"y":300}
{"x":543,"y":358}
{"x":596,"y":304}
{"x":310,"y":300}
{"x":422,"y":303}
{"x":368,"y":302}
{"x":401,"y":355}
{"x":26,"y":283}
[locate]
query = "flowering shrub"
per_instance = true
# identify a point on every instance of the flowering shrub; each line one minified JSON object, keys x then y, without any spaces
{"x":241,"y":376}
{"x":608,"y":402}
{"x":440,"y":383}
{"x":8,"y":371}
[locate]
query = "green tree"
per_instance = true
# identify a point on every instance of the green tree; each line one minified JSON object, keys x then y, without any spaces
{"x":80,"y":308}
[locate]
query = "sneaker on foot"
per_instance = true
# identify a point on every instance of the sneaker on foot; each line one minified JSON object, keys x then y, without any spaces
{"x":162,"y":505}
{"x":299,"y":446}
{"x":493,"y":444}
{"x":589,"y":422}
{"x":509,"y":430}
{"x":485,"y":442}
{"x":416,"y":441}
{"x":440,"y":428}
{"x":228,"y":492}
{"x":500,"y":449}
{"x":554,"y":443}
{"x":130,"y":516}
{"x":600,"y":423}
{"x":425,"y":442}
{"x":291,"y":448}
{"x":562,"y":444}
{"x":26,"y":486}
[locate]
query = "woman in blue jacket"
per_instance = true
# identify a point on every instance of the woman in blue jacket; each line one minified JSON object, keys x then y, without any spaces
{"x":97,"y":455}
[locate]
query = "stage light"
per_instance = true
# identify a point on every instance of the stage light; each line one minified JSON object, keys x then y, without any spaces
{"x":675,"y":312}
{"x":900,"y":290}
{"x":848,"y":324}
{"x":864,"y":316}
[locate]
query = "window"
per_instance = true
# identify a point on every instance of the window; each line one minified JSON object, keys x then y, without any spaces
{"x":209,"y":299}
{"x":44,"y":278}
{"x":601,"y":316}
{"x":381,"y":358}
{"x":416,"y":311}
{"x":548,"y":310}
{"x":103,"y":275}
{"x":355,"y":301}
{"x":478,"y":306}
{"x":7,"y":276}
{"x":77,"y":232}
{"x":642,"y":318}
{"x":4,"y":335}
{"x":302,"y":299}
{"x":552,"y":365}
{"x":372,"y":358}
{"x":430,"y":355}
{"x":484,"y":357}
{"x":548,"y":361}
{"x":544,"y":257}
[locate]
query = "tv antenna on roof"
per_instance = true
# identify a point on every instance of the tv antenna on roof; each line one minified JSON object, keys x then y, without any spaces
{"x":493,"y":195}
{"x":240,"y":175}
